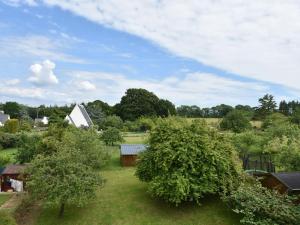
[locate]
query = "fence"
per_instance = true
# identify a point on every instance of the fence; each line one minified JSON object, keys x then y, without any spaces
{"x":260,"y":162}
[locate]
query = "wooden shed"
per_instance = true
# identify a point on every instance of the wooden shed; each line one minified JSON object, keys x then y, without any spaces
{"x":13,"y":171}
{"x":129,"y":152}
{"x":287,"y":182}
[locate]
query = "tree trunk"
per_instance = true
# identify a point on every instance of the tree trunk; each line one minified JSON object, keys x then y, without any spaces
{"x":62,"y":210}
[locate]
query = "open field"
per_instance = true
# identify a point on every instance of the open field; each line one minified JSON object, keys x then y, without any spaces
{"x":135,"y":138}
{"x":3,"y":198}
{"x":124,"y":200}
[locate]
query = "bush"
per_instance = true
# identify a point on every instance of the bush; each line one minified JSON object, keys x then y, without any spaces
{"x":8,"y":140}
{"x":185,"y":162}
{"x":236,"y":121}
{"x":12,"y":126}
{"x":112,"y":121}
{"x":260,"y":206}
{"x":274,"y":119}
{"x":111,"y":136}
{"x":6,"y":218}
{"x":4,"y":160}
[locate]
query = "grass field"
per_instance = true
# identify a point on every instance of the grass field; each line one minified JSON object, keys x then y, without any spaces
{"x":124,"y":200}
{"x":135,"y":138}
{"x":4,"y":198}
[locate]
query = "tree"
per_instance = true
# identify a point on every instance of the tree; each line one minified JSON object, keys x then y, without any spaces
{"x":136,"y":103}
{"x":295,"y":117}
{"x":274,"y":119}
{"x":12,"y":126}
{"x":165,"y":108}
{"x":184,"y":162}
{"x":111,"y":135}
{"x":98,"y":110}
{"x":145,"y":124}
{"x":284,"y":108}
{"x":112,"y":121}
{"x":13,"y":109}
{"x":58,"y":179}
{"x":189,"y":111}
{"x":266,"y":107}
{"x":28,"y":147}
{"x":236,"y":121}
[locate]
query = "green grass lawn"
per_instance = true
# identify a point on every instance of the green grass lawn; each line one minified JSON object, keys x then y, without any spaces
{"x":135,"y":138}
{"x":4,"y":198}
{"x":124,"y":200}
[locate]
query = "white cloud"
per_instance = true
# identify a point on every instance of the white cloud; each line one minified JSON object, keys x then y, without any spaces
{"x":193,"y":88}
{"x":85,"y":86}
{"x":42,"y":74}
{"x":17,"y":3}
{"x":259,"y":39}
{"x":37,"y":46}
{"x":11,"y":82}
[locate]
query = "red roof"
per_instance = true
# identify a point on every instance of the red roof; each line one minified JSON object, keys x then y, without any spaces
{"x":14,"y":169}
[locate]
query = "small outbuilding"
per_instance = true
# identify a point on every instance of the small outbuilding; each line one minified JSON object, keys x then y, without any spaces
{"x":3,"y":118}
{"x":129,"y":152}
{"x":11,"y":177}
{"x":286,"y":182}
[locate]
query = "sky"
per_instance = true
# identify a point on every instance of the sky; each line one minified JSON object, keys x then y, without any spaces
{"x":190,"y":52}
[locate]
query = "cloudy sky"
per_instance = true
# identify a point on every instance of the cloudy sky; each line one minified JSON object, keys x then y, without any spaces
{"x":190,"y":52}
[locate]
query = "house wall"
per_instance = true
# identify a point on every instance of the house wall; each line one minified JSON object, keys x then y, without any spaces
{"x":4,"y":186}
{"x":78,"y":118}
{"x":128,"y":160}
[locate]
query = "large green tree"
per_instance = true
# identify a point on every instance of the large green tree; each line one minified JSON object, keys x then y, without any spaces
{"x":60,"y":179}
{"x":13,"y":109}
{"x":136,"y":103}
{"x":267,"y":106}
{"x":236,"y":120}
{"x":185,"y":162}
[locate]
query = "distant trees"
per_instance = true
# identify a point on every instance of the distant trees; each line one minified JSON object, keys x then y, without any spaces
{"x":13,"y":109}
{"x":140,"y":102}
{"x":184,"y":162}
{"x":236,"y":121}
{"x":266,"y":107}
{"x":189,"y":111}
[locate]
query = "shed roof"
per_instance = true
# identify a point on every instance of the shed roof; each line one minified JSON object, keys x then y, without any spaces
{"x":132,"y":149}
{"x":85,"y":115}
{"x":290,"y":179}
{"x":14,"y":169}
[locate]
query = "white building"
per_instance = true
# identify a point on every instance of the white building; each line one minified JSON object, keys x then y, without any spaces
{"x":3,"y":118}
{"x":44,"y":121}
{"x":79,"y":117}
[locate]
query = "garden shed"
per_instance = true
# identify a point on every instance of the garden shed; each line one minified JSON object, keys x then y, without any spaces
{"x":129,"y":152}
{"x":11,"y":177}
{"x":286,"y":182}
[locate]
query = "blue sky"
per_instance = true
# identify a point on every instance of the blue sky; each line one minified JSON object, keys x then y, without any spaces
{"x":58,"y":52}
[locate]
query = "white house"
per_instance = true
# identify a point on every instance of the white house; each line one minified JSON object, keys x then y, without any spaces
{"x":3,"y":118}
{"x":79,"y":117}
{"x":44,"y":121}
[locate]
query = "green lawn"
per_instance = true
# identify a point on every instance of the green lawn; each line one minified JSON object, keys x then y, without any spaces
{"x":135,"y":138}
{"x":124,"y":200}
{"x":4,"y":198}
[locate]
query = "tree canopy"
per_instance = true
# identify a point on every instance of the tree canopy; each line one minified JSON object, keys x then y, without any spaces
{"x":184,"y":162}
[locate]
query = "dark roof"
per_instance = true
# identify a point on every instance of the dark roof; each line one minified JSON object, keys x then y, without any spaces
{"x":290,"y":179}
{"x":14,"y":169}
{"x":132,"y":149}
{"x":86,"y":115}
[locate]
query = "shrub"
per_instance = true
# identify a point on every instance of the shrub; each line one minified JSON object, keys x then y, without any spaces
{"x":236,"y":121}
{"x":8,"y":140}
{"x":12,"y":126}
{"x":28,"y":147}
{"x":260,"y":206}
{"x":4,"y":160}
{"x":111,"y":136}
{"x":185,"y":162}
{"x":274,"y":119}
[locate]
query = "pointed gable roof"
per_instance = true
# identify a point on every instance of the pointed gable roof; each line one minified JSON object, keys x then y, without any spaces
{"x":79,"y":117}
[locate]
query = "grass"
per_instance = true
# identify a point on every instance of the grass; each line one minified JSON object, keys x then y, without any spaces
{"x":135,"y":138}
{"x":4,"y":198}
{"x":124,"y":200}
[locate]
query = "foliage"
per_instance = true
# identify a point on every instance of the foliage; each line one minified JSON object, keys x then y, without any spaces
{"x":185,"y":162}
{"x":274,"y":119}
{"x":12,"y":126}
{"x":145,"y":124}
{"x":236,"y":121}
{"x":295,"y":117}
{"x":6,"y":218}
{"x":266,"y":107}
{"x":249,"y":142}
{"x":8,"y":140}
{"x":260,"y":206}
{"x":98,"y":110}
{"x":111,"y":136}
{"x":13,"y":109}
{"x":165,"y":108}
{"x":189,"y":111}
{"x":28,"y":147}
{"x":60,"y":179}
{"x":4,"y":160}
{"x":25,"y":125}
{"x":112,"y":121}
